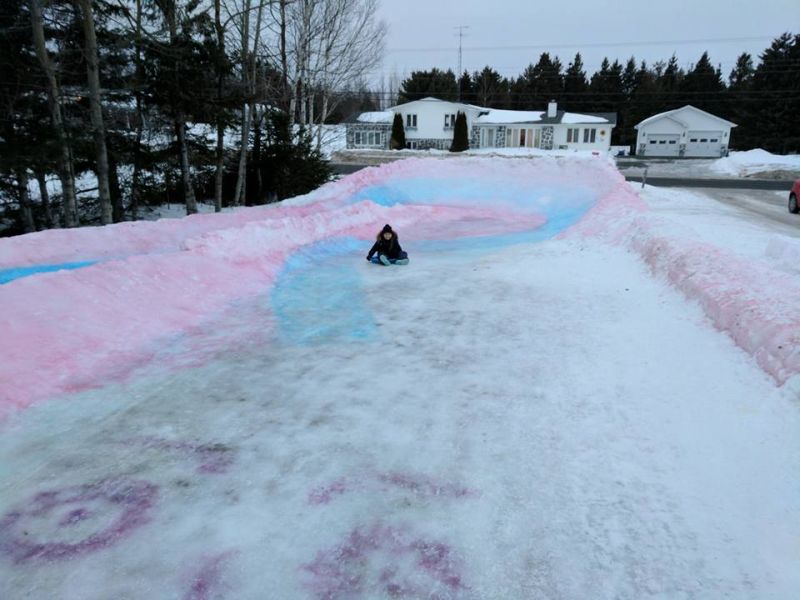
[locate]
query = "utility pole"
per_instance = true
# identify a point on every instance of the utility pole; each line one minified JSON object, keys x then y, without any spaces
{"x":461,"y":29}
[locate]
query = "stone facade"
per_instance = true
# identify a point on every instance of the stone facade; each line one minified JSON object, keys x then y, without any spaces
{"x":548,"y":133}
{"x":429,"y":144}
{"x":352,"y":128}
{"x":499,"y":136}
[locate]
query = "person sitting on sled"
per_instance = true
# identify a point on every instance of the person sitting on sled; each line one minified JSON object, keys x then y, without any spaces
{"x":388,"y":249}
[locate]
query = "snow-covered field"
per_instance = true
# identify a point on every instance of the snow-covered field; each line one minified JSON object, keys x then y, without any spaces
{"x":571,"y":392}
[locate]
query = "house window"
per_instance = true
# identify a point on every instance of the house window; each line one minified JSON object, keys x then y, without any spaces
{"x":449,"y":121}
{"x":693,"y":140}
{"x":572,"y":135}
{"x":357,"y":138}
{"x":487,"y":138}
{"x":411,"y":121}
{"x":673,"y":142}
{"x":589,"y":135}
{"x":521,"y":138}
{"x":714,"y":140}
{"x":653,"y":142}
{"x":703,"y":140}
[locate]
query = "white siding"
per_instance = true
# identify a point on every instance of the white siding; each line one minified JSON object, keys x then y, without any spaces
{"x":430,"y":118}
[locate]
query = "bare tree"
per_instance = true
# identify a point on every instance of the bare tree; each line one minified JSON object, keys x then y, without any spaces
{"x":169,"y":9}
{"x":249,"y":63}
{"x":334,"y":43}
{"x":96,"y":111}
{"x":65,"y":168}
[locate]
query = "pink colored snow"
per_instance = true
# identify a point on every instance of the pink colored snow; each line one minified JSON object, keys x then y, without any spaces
{"x":71,"y":330}
{"x":755,"y":304}
{"x":67,"y":331}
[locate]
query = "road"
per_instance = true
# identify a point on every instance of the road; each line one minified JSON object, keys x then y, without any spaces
{"x":689,"y":182}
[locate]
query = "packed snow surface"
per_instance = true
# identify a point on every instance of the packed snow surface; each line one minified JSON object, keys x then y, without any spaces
{"x":563,"y":396}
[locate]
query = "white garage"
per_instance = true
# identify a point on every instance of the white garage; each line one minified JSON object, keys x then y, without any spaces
{"x":684,"y":132}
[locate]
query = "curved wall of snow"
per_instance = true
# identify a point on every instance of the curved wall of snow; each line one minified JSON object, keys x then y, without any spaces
{"x":69,"y":330}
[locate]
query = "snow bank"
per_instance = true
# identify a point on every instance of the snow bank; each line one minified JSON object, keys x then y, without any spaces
{"x":751,"y":162}
{"x":785,"y":251}
{"x":753,"y":303}
{"x":68,"y":330}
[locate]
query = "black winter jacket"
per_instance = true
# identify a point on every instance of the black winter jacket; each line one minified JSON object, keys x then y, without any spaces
{"x":391,"y":248}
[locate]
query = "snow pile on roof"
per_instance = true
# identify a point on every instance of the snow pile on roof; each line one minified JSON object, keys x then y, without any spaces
{"x":499,"y":117}
{"x":384,"y":116}
{"x":575,"y":118}
{"x":511,"y":116}
{"x":751,"y":162}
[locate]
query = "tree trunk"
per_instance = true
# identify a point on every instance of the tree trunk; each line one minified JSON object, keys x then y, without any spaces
{"x":96,"y":110}
{"x":65,"y":170}
{"x":25,"y":211}
{"x":257,"y":122}
{"x":44,"y":194}
{"x":241,"y":174}
{"x":219,"y":168}
{"x":117,"y":210}
{"x":186,"y":173}
{"x":137,"y":148}
{"x":284,"y":62}
{"x":179,"y":120}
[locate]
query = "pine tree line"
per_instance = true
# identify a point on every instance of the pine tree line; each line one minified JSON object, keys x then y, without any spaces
{"x":171,"y":100}
{"x":763,"y":99}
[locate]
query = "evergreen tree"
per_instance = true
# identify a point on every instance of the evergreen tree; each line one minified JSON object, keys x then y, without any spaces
{"x":606,"y":87}
{"x":576,"y":86}
{"x":740,"y":84}
{"x":490,"y":89}
{"x":460,"y":134}
{"x":398,"y":140}
{"x":773,"y":102}
{"x":435,"y":83}
{"x":466,"y":89}
{"x":539,"y":84}
{"x":702,"y":87}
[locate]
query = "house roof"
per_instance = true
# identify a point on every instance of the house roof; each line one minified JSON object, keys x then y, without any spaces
{"x":499,"y":117}
{"x":382,"y":116}
{"x":675,"y":116}
{"x":432,"y":99}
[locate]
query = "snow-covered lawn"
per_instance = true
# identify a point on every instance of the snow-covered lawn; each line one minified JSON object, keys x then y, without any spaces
{"x":753,"y":162}
{"x":553,"y":400}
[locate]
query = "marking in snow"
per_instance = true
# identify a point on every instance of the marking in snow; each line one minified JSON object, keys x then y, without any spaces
{"x":420,"y":485}
{"x":63,"y":524}
{"x":213,"y":458}
{"x":206,"y":582}
{"x":386,"y":560}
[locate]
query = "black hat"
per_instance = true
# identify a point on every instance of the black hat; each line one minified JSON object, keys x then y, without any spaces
{"x":386,"y":229}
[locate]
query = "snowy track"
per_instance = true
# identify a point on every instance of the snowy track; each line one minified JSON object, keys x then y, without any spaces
{"x":577,"y":433}
{"x":508,"y":417}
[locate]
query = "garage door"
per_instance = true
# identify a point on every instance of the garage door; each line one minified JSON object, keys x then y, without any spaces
{"x":704,"y":143}
{"x":662,"y":144}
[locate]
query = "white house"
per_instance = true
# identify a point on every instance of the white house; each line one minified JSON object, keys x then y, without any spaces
{"x":552,"y":129}
{"x":686,"y":131}
{"x":429,"y":123}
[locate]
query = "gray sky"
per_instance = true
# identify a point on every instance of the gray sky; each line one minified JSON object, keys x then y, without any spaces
{"x":510,"y":34}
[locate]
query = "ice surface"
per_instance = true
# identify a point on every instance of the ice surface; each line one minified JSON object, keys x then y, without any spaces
{"x":522,"y":412}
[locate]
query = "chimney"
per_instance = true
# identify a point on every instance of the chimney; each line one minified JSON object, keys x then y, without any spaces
{"x":552,"y":109}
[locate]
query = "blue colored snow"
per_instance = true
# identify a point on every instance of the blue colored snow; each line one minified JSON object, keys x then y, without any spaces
{"x":318,"y":296}
{"x":8,"y":275}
